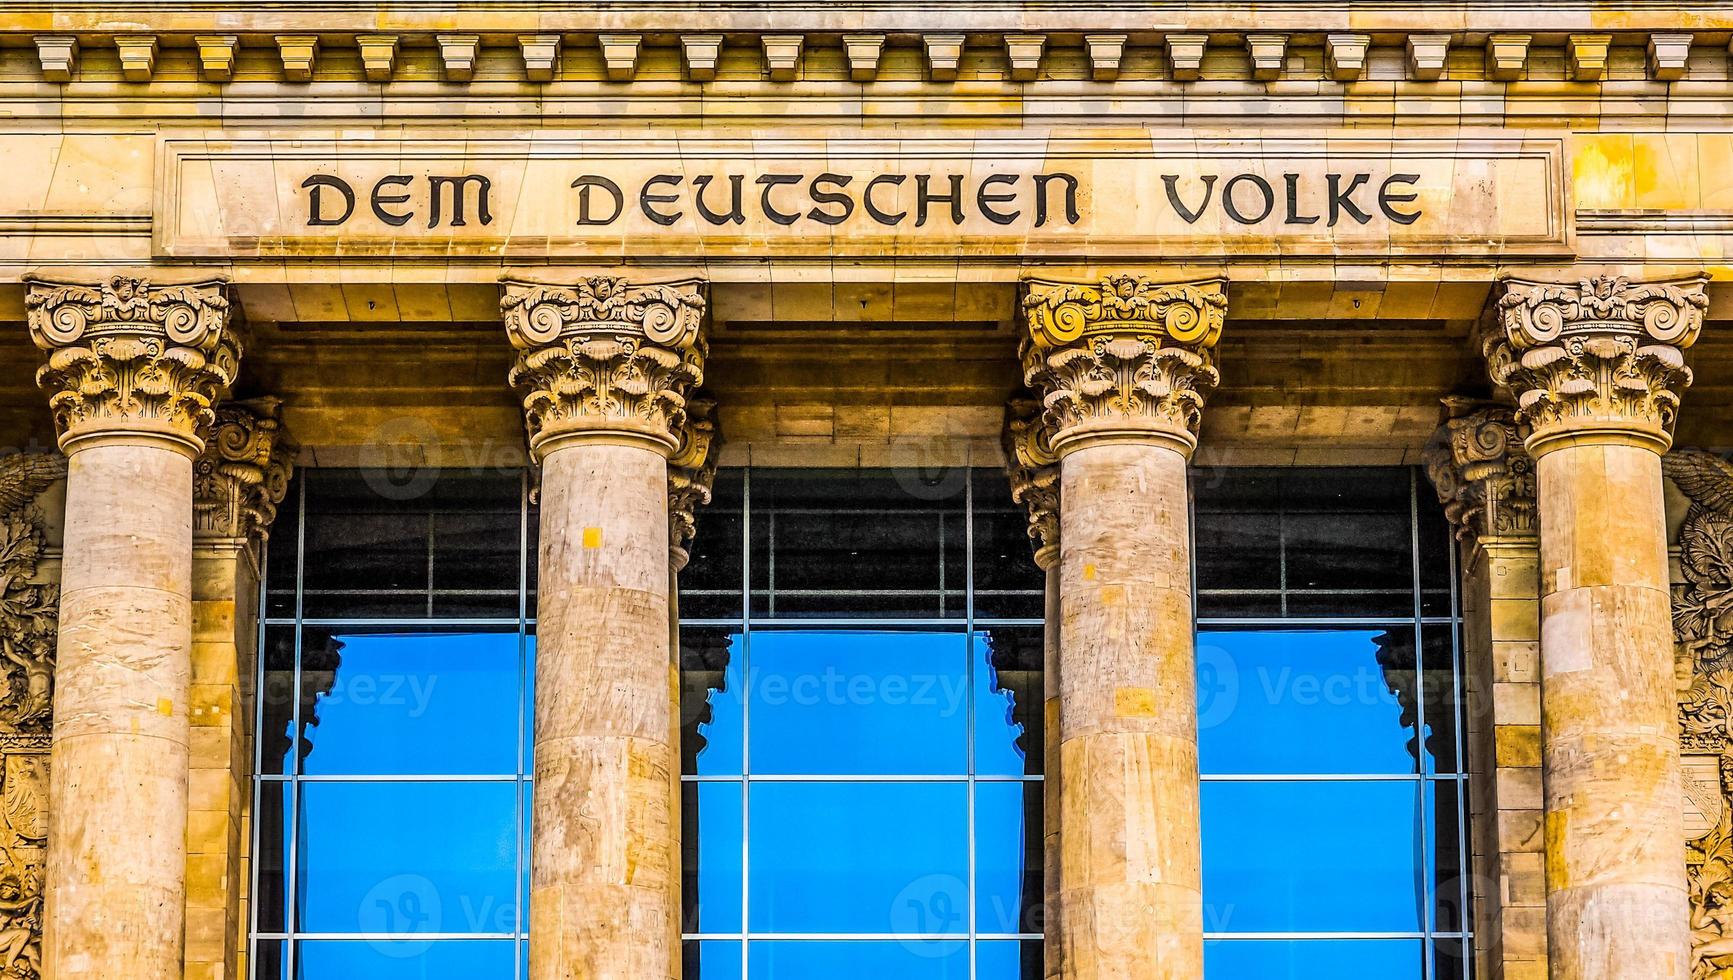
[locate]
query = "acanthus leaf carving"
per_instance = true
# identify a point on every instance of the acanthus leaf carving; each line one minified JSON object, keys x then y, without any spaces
{"x":1483,"y":476}
{"x":243,"y":473}
{"x":1033,"y":469}
{"x":1125,"y":354}
{"x":1605,"y":354}
{"x":126,"y":355}
{"x":691,"y":475}
{"x":605,"y":355}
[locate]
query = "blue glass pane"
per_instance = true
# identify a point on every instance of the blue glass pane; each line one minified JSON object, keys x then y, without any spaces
{"x":713,"y":702}
{"x":711,"y":838}
{"x":1008,"y":960}
{"x":529,"y":701}
{"x":1008,"y":701}
{"x":712,"y":959}
{"x":408,"y":857}
{"x":909,"y":959}
{"x":1258,"y":689}
{"x":870,"y":857}
{"x":1007,"y":858}
{"x":351,"y":959}
{"x":1313,"y":959}
{"x":1342,"y":857}
{"x":847,"y":703}
{"x":414,"y":704}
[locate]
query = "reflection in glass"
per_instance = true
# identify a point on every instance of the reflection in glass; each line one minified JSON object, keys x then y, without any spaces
{"x":269,"y":960}
{"x":405,"y":857}
{"x":416,"y":704}
{"x":378,"y":959}
{"x":272,"y":901}
{"x":1008,"y":585}
{"x":1341,"y":857}
{"x":711,"y":959}
{"x":1443,"y":833}
{"x":854,"y":702}
{"x":277,"y":701}
{"x":876,"y":857}
{"x":1008,"y":899}
{"x":1314,"y":959}
{"x":1008,"y":701}
{"x":710,"y":838}
{"x":908,"y":959}
{"x":712,"y":702}
{"x":1260,"y":691}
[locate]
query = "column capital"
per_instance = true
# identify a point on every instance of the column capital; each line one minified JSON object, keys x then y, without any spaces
{"x":691,"y":475}
{"x":1481,"y":472}
{"x":1034,"y":472}
{"x":243,"y":473}
{"x":1598,"y":361}
{"x":1123,"y":359}
{"x":128,"y":360}
{"x":604,"y":358}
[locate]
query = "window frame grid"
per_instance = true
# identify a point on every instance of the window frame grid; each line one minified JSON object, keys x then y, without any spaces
{"x":1429,"y":936}
{"x":290,"y":938}
{"x":964,"y":627}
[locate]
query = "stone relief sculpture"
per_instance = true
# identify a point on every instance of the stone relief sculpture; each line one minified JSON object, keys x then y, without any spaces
{"x":28,"y":620}
{"x":1703,"y":629}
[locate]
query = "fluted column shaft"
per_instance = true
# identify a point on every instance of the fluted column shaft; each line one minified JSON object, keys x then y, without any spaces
{"x":1123,"y":369}
{"x":133,"y":371}
{"x":605,"y":368}
{"x":1597,"y":370}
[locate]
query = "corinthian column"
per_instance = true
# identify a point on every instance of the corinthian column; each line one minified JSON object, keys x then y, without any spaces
{"x":133,"y":371}
{"x":1123,"y":368}
{"x":1034,"y":473}
{"x":1597,"y":369}
{"x":1485,"y":480}
{"x":605,"y":368}
{"x":238,"y":481}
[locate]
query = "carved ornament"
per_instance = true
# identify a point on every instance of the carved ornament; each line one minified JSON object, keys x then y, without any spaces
{"x":1034,"y":472}
{"x":605,"y":357}
{"x":29,"y":621}
{"x":128,"y":357}
{"x":1603,"y":359}
{"x":1703,"y":630}
{"x":1483,"y":475}
{"x":243,"y":473}
{"x":691,"y":475}
{"x":1123,"y":358}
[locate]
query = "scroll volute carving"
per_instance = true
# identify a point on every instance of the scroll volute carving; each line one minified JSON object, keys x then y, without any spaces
{"x":1124,"y":355}
{"x":243,"y":474}
{"x":1033,"y":469}
{"x":605,"y":356}
{"x":29,"y":619}
{"x":126,"y":355}
{"x":691,"y":475}
{"x":1483,"y":476}
{"x":1703,"y":628}
{"x":1603,"y":356}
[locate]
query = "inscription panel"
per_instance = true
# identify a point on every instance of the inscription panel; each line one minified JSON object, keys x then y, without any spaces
{"x":691,"y":198}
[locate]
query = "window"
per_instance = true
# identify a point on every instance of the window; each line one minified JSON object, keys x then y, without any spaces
{"x":862,"y":732}
{"x":1329,"y":728}
{"x":861,"y":728}
{"x":392,"y":798}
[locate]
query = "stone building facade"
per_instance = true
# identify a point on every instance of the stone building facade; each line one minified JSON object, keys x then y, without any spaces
{"x":1112,"y":250}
